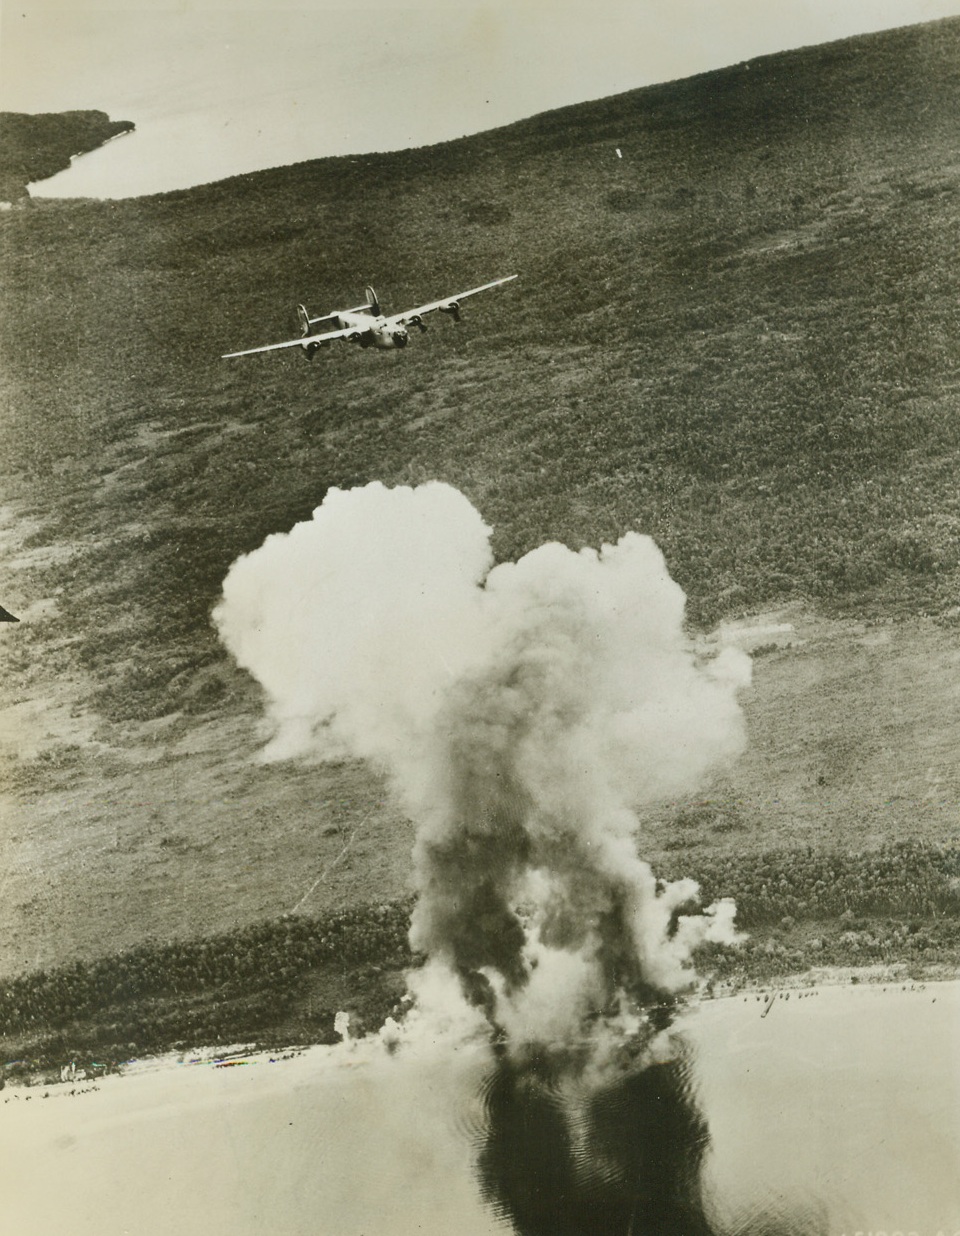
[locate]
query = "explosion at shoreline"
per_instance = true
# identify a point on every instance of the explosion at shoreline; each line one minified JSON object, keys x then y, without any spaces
{"x":522,"y":712}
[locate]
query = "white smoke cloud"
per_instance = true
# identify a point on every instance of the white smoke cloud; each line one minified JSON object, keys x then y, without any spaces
{"x":353,"y":622}
{"x":523,"y":711}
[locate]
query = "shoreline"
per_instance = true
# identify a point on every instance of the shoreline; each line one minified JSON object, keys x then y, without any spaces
{"x":329,"y":1133}
{"x":896,"y":978}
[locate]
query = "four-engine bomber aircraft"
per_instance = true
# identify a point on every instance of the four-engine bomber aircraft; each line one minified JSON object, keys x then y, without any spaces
{"x":366,"y":324}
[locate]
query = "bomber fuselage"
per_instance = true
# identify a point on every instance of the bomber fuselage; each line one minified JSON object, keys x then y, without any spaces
{"x":377,"y":332}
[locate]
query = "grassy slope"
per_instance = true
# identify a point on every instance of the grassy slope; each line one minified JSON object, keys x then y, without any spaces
{"x":739,"y":337}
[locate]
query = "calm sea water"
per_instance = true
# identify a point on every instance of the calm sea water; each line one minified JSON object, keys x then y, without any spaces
{"x":828,"y":1113}
{"x":817,"y":1113}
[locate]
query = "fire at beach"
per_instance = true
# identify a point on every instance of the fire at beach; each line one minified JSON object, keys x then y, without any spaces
{"x":522,"y":711}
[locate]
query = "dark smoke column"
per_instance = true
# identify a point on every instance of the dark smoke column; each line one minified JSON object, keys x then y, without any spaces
{"x":525,"y":854}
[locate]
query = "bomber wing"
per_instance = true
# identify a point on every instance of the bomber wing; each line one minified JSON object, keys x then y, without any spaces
{"x":449,"y":304}
{"x":294,"y":343}
{"x":336,"y":313}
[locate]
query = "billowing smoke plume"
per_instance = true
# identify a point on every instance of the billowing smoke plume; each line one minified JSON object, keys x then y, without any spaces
{"x":522,"y":711}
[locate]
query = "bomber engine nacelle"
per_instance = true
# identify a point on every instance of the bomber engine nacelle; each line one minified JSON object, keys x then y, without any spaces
{"x":452,"y":307}
{"x":418,"y":321}
{"x":310,"y":349}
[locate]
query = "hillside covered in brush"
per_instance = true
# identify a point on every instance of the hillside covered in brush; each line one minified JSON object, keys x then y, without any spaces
{"x":740,"y":337}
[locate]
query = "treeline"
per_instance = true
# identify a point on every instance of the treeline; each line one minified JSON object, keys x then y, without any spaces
{"x":268,"y":957}
{"x":802,"y":908}
{"x":905,"y":879}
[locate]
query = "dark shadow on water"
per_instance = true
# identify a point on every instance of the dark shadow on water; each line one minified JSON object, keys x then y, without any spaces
{"x":623,"y":1159}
